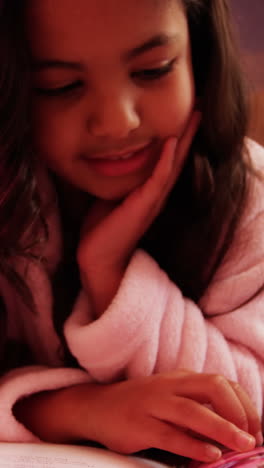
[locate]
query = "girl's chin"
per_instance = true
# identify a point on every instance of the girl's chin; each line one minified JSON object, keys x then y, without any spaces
{"x":111,"y":197}
{"x":117,"y":190}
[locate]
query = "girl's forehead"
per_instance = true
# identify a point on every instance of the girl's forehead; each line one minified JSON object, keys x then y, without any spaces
{"x":104,"y":7}
{"x":73,"y":23}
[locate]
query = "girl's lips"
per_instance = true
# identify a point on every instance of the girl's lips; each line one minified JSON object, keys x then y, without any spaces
{"x":112,"y":167}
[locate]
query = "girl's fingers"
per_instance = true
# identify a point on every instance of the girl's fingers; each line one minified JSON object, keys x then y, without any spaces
{"x":173,"y":157}
{"x":169,"y":167}
{"x":227,"y":398}
{"x":253,"y":420}
{"x":188,"y":135}
{"x":167,"y":437}
{"x":219,"y":393}
{"x":145,"y":203}
{"x":185,"y":143}
{"x":188,"y":414}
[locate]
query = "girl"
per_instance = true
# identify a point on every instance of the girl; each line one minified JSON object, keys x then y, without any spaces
{"x":136,"y":251}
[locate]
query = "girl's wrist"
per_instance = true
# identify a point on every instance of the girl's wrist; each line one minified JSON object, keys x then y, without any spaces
{"x":101,"y":287}
{"x":59,"y":416}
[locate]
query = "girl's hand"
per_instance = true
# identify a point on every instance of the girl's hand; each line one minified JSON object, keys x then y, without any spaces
{"x":167,"y":412}
{"x":110,"y":233}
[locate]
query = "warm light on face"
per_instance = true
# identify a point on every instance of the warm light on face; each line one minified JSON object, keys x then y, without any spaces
{"x":109,"y":78}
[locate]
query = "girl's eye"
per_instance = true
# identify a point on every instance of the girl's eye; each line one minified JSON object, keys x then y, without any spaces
{"x":151,"y":74}
{"x":61,"y":91}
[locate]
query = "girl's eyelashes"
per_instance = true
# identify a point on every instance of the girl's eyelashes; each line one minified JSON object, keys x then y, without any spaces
{"x":148,"y":74}
{"x":152,"y":74}
{"x":59,"y":91}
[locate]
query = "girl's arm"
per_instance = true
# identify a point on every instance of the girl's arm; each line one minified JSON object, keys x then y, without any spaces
{"x":163,"y":411}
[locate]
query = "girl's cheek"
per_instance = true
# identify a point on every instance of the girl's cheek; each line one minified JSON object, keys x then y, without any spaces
{"x":175,"y":103}
{"x":172,"y":118}
{"x":54,"y":132}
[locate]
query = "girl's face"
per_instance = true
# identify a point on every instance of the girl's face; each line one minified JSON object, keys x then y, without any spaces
{"x":111,"y":80}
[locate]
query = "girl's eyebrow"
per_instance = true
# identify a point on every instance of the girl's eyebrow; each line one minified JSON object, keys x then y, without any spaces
{"x":154,"y":42}
{"x":39,"y":65}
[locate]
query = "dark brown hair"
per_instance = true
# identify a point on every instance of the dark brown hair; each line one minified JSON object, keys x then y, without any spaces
{"x":191,"y":235}
{"x":19,"y":201}
{"x":196,"y":228}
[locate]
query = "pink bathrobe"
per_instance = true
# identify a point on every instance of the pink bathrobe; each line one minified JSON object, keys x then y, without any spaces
{"x":149,"y":326}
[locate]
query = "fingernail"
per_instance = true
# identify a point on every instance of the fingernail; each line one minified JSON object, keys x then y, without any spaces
{"x":213,"y":453}
{"x":245,"y":441}
{"x":259,"y":438}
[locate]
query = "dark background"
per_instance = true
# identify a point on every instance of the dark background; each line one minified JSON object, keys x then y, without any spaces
{"x":249,"y":17}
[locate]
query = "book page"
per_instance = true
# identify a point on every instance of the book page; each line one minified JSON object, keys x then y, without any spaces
{"x":44,"y":455}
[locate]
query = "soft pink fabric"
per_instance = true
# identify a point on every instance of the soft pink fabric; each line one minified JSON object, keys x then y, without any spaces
{"x":23,"y":382}
{"x":149,"y":326}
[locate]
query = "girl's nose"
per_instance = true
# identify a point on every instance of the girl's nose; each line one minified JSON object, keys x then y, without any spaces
{"x":113,"y":117}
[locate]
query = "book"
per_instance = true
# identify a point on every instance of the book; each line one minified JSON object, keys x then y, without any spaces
{"x":44,"y":455}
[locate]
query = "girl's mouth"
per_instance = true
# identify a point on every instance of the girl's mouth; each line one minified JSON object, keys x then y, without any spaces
{"x":122,"y":164}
